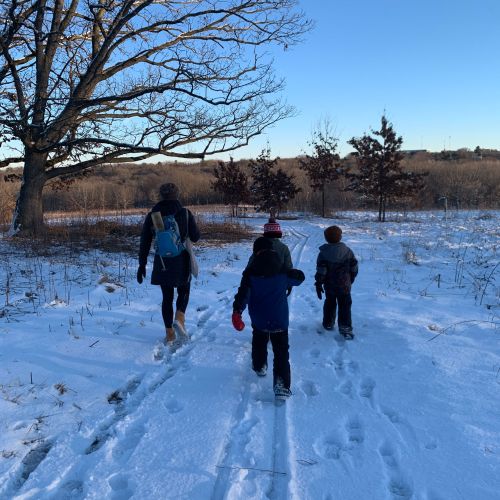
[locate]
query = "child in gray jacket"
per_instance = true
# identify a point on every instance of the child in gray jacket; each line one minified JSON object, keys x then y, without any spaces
{"x":336,"y":269}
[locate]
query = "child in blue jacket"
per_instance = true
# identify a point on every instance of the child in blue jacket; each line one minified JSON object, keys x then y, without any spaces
{"x":264,"y":287}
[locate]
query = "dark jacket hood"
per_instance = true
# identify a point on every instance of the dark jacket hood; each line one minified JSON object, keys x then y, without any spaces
{"x":266,"y":263}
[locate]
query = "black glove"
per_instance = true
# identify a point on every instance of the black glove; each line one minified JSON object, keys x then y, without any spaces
{"x":141,"y":274}
{"x":288,"y":291}
{"x":319,"y":290}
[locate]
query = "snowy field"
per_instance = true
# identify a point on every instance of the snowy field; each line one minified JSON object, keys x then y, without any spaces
{"x":92,"y":407}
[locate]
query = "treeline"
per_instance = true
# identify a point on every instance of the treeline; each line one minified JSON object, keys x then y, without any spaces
{"x":466,"y":183}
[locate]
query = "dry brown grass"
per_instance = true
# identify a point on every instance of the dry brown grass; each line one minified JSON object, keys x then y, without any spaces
{"x":467,"y":183}
{"x":217,"y":233}
{"x":118,"y":236}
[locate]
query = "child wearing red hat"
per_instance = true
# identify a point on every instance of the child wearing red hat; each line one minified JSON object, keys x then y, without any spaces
{"x":263,"y":288}
{"x":273,"y":233}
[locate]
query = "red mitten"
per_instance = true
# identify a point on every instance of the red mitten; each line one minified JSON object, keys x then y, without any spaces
{"x":237,"y":321}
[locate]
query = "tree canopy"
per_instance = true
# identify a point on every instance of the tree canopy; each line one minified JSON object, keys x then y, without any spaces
{"x":380,"y":177}
{"x":87,"y":82}
{"x":271,"y":189}
{"x":232,"y":183}
{"x":322,"y":166}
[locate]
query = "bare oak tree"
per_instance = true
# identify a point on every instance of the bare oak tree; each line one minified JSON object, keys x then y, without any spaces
{"x":87,"y":82}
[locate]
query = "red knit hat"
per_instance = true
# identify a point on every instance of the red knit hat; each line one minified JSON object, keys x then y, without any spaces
{"x":272,"y":229}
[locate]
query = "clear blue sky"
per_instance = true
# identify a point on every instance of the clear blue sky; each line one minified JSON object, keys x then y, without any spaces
{"x":432,"y":65}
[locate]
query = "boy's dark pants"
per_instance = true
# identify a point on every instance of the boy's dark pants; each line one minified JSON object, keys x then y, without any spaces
{"x":281,"y":364}
{"x":344,"y":301}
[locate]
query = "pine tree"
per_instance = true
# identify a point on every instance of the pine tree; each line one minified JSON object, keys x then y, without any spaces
{"x":380,"y":177}
{"x":232,"y":183}
{"x":323,"y":166}
{"x":271,"y":191}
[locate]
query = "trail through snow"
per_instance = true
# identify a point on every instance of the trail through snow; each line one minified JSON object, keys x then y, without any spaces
{"x":392,"y":414}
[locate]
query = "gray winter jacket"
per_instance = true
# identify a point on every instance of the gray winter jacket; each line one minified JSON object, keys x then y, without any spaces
{"x":336,"y":267}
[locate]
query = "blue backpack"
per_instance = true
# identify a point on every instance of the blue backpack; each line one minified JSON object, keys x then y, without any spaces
{"x":168,"y":241}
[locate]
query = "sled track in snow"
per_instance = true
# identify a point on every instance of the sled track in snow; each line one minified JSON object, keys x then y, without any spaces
{"x":278,"y":473}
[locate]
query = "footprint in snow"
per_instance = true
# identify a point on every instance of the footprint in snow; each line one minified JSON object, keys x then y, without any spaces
{"x":120,"y":486}
{"x":352,"y":367}
{"x":346,"y":388}
{"x":204,"y":317}
{"x":355,"y":431}
{"x":314,"y":353}
{"x":309,"y":388}
{"x":71,"y":489}
{"x":174,"y":406}
{"x":330,"y":448}
{"x":392,"y":415}
{"x":400,"y":488}
{"x":388,"y":455}
{"x":366,"y":388}
{"x":339,"y":364}
{"x":303,"y":328}
{"x":123,"y":448}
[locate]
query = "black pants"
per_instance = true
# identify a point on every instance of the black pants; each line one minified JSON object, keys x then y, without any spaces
{"x":281,"y":363}
{"x":167,"y":310}
{"x":343,"y":301}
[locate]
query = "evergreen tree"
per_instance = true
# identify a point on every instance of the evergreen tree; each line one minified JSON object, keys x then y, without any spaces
{"x":271,"y":191}
{"x":323,"y":166}
{"x":380,"y":177}
{"x":232,"y":183}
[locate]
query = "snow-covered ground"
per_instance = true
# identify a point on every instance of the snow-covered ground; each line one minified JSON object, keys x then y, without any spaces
{"x":92,"y":407}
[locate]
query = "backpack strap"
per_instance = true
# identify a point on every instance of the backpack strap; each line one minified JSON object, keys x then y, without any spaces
{"x":187,"y":224}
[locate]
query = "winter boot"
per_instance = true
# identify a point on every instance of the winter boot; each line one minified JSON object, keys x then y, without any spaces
{"x":280,"y":391}
{"x":170,"y":336}
{"x":179,"y":325}
{"x":346,"y":332}
{"x":262,"y":372}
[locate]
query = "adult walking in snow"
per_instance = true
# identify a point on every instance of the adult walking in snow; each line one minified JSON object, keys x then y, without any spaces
{"x":173,"y":227}
{"x":263,"y":287}
{"x":336,"y":269}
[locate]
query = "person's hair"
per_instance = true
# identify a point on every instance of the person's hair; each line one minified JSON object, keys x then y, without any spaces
{"x":333,"y":234}
{"x":169,"y":191}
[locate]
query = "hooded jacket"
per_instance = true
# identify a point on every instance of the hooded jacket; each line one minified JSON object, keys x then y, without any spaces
{"x":263,"y":288}
{"x":336,"y":267}
{"x":281,"y":249}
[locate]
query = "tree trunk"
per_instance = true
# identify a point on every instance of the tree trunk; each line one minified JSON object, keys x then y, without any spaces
{"x":323,"y":202}
{"x":28,"y":214}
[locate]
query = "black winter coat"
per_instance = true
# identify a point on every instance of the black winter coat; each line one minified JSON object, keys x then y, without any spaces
{"x":177,"y":269}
